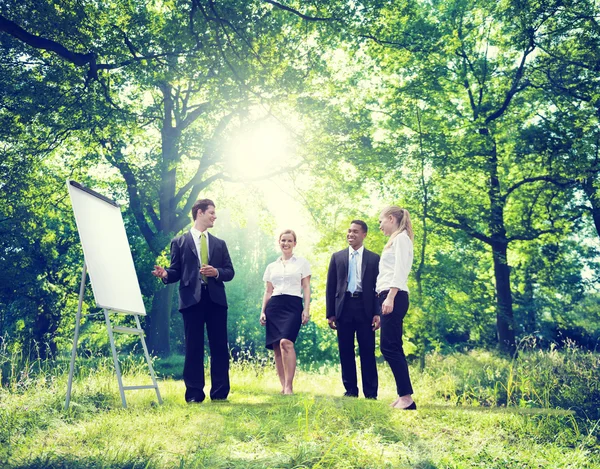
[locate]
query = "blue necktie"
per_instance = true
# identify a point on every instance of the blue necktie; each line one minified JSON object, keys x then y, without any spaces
{"x":352,"y":272}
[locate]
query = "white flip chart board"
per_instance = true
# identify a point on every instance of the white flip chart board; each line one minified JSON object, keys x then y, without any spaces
{"x":106,"y":251}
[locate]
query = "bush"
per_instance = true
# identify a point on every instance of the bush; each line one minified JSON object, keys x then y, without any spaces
{"x":565,"y":379}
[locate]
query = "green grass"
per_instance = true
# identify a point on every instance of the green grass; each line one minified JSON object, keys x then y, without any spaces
{"x":473,"y":412}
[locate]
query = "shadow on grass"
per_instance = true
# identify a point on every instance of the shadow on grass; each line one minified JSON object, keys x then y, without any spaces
{"x":304,"y":455}
{"x":499,"y":410}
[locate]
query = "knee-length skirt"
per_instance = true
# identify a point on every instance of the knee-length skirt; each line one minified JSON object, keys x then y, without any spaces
{"x":284,"y":318}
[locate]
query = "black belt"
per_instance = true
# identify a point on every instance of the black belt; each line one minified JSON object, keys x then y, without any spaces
{"x":356,"y":294}
{"x":383,"y":293}
{"x":204,"y":285}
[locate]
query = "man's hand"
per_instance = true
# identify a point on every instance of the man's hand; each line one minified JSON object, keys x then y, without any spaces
{"x":209,"y":270}
{"x":263,"y":318}
{"x":159,"y":272}
{"x":376,"y":322}
{"x":331,"y":322}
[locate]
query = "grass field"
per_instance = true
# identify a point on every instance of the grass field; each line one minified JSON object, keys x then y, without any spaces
{"x":475,"y":410}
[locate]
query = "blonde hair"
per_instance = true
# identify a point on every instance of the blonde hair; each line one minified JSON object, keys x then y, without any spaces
{"x":404,"y":224}
{"x":288,"y":232}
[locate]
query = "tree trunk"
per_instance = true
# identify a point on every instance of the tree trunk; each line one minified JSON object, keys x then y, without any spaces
{"x":528,"y":302}
{"x":160,"y":320}
{"x":590,"y":191}
{"x":160,"y":317}
{"x":421,"y":267}
{"x":504,"y":309}
{"x":499,"y":243}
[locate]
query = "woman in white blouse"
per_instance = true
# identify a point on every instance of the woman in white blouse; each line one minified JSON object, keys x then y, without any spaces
{"x":392,"y":292}
{"x":287,"y":282}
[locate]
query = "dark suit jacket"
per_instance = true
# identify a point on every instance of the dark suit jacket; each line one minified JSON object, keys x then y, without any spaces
{"x":337,"y":283}
{"x":185,"y":268}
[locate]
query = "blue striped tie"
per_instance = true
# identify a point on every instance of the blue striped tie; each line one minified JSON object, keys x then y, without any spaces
{"x":352,"y":272}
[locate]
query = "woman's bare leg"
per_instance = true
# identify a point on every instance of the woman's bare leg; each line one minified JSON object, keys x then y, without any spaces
{"x":288,"y":354}
{"x":279,"y":365}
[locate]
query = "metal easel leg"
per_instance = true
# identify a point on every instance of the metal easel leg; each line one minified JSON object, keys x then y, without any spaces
{"x":115,"y":358}
{"x":139,"y":326}
{"x":76,"y":336}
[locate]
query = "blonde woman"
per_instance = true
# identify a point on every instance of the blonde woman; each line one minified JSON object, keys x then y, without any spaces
{"x":287,"y":283}
{"x":392,"y":292}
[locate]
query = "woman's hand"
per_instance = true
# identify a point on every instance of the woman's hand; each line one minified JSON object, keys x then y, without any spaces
{"x":263,"y":318}
{"x":388,"y":306}
{"x":305,"y":316}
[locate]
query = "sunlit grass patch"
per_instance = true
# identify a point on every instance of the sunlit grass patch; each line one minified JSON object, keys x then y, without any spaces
{"x":257,"y":427}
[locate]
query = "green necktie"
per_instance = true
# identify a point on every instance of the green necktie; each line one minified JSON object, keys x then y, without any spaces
{"x":204,"y":253}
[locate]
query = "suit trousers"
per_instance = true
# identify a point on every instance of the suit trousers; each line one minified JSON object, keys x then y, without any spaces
{"x":391,"y":341}
{"x":194,"y":318}
{"x":354,"y":320}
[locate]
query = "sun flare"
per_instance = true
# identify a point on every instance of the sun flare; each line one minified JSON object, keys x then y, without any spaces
{"x":260,"y":150}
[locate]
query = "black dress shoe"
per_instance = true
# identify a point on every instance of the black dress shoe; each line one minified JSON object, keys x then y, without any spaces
{"x":194,"y":400}
{"x":373,"y":398}
{"x":413,"y":406}
{"x":347,"y":394}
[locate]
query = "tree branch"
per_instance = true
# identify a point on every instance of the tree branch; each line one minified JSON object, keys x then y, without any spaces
{"x":534,"y":234}
{"x":197,"y":178}
{"x":297,"y":13}
{"x":39,"y":42}
{"x":554,"y":180}
{"x":76,"y":58}
{"x":115,"y":157}
{"x":154,"y":217}
{"x":192,"y":116}
{"x":515,"y":87}
{"x":464,"y":227}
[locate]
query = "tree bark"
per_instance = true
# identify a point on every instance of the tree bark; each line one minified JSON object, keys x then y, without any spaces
{"x":158,"y":326}
{"x":160,"y":316}
{"x":504,"y":308}
{"x":528,"y":302}
{"x":499,"y":243}
{"x":591,"y":192}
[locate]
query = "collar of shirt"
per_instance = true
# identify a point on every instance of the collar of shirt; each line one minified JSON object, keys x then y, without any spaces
{"x":292,"y":259}
{"x":196,"y":234}
{"x":360,"y":250}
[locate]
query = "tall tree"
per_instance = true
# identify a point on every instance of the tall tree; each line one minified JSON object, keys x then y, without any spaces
{"x":174,"y":76}
{"x":473,"y":71}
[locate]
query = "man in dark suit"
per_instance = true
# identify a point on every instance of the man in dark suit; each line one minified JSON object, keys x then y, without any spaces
{"x":201,"y":263}
{"x":352,"y":309}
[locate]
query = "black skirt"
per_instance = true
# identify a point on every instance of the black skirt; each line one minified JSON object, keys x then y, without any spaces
{"x":284,"y":318}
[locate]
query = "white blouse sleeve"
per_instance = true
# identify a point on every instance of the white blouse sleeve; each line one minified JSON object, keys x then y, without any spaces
{"x":402,"y":248}
{"x":305,"y":270}
{"x":267,"y":275}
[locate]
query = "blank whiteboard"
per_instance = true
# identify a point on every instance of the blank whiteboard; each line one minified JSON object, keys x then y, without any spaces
{"x":106,"y":251}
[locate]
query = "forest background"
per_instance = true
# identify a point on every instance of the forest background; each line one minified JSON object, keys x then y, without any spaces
{"x":480,"y":117}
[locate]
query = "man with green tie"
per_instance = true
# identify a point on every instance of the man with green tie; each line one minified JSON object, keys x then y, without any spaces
{"x":201,"y":264}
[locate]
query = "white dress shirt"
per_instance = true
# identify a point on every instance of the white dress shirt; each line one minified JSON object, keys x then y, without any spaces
{"x":196,"y":237}
{"x":286,"y":276}
{"x":359,"y":254}
{"x":395,"y":264}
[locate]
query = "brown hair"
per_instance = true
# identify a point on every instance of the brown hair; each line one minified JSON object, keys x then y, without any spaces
{"x":404,"y":224}
{"x":288,"y":232}
{"x":201,"y":205}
